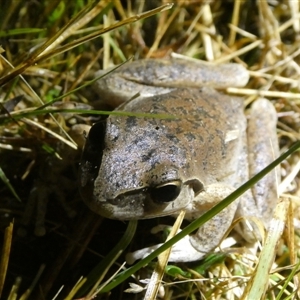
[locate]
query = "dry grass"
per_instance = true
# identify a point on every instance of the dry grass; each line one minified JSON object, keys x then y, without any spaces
{"x":49,"y":49}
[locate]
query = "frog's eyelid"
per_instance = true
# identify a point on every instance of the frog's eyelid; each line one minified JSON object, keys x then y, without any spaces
{"x":232,"y":135}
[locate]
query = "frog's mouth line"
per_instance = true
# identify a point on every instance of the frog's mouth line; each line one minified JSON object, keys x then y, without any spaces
{"x":165,"y":199}
{"x":161,"y":194}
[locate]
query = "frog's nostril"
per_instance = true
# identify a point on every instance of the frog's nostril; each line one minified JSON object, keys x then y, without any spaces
{"x":167,"y":192}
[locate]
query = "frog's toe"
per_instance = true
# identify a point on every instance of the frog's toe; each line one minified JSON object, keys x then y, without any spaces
{"x":71,"y":213}
{"x":40,"y":231}
{"x":140,"y":254}
{"x":22,"y":231}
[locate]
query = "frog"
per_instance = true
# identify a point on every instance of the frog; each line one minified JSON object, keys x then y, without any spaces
{"x":136,"y":167}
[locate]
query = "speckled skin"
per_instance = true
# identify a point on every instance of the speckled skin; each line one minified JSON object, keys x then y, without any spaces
{"x":137,"y":168}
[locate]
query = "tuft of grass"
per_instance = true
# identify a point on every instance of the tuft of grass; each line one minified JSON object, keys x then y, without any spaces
{"x":49,"y":52}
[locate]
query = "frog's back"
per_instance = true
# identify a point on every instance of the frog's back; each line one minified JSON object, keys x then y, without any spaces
{"x":201,"y":140}
{"x":132,"y":159}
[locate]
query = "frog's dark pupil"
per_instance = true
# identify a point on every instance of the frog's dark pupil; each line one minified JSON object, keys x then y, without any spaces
{"x":166,"y":193}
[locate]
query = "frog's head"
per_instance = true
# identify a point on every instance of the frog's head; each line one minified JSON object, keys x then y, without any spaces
{"x":137,"y":181}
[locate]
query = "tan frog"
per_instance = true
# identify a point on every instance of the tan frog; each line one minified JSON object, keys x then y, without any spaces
{"x":138,"y":168}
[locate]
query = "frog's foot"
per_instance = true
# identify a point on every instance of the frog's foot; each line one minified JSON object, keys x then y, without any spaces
{"x":182,"y":251}
{"x":38,"y":200}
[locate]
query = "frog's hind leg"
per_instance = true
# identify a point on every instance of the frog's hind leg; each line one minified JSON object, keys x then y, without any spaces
{"x":262,"y":150}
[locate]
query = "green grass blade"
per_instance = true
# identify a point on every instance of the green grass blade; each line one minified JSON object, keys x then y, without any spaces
{"x":101,"y":269}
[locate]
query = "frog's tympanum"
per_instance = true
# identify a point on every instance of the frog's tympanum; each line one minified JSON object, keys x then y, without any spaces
{"x":143,"y":167}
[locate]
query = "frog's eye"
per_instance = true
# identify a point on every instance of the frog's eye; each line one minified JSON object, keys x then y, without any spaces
{"x":96,"y":136}
{"x":91,"y":157}
{"x":166,"y":192}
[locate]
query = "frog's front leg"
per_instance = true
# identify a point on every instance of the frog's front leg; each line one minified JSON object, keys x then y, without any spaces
{"x":262,"y":150}
{"x":208,"y":236}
